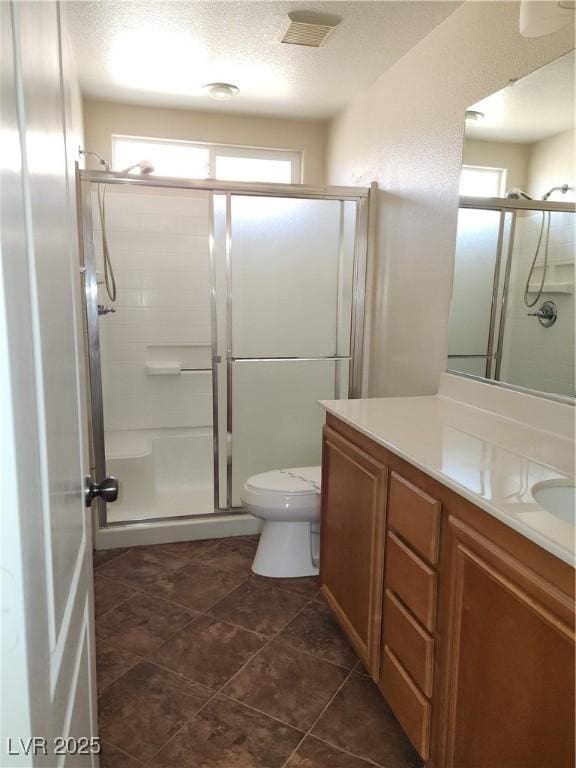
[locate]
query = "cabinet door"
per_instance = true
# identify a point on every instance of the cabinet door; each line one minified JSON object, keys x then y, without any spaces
{"x":509,"y":658}
{"x":352,"y":542}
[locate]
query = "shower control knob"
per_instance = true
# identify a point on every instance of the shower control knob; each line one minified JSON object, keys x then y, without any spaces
{"x":547,"y":314}
{"x":107,"y":489}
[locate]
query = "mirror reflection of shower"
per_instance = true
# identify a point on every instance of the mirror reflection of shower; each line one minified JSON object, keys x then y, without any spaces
{"x":145,"y":167}
{"x":512,"y":314}
{"x":544,"y":243}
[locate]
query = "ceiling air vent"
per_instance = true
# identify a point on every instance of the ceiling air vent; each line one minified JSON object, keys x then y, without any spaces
{"x":306,"y":28}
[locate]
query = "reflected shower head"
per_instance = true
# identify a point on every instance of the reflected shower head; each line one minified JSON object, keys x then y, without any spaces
{"x":562,"y":188}
{"x":104,"y":163}
{"x":144,"y":166}
{"x":516,"y":193}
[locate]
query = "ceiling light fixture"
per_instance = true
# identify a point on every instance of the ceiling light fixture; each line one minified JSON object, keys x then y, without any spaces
{"x":221,"y":91}
{"x":542,"y":17}
{"x":474,"y":115}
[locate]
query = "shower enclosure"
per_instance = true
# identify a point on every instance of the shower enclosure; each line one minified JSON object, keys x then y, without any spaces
{"x":238,"y":307}
{"x":493,"y":334}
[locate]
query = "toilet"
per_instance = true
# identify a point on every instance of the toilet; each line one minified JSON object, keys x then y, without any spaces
{"x":288,"y":503}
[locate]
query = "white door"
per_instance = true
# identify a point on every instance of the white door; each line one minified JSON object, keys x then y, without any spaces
{"x":48,"y":683}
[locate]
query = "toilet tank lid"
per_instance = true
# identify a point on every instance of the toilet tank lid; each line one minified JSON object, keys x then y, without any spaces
{"x":294,"y":480}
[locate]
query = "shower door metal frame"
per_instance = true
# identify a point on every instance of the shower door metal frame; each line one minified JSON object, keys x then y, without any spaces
{"x":499,"y":301}
{"x":359,"y":195}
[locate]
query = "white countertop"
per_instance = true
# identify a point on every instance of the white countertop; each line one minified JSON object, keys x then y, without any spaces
{"x":486,"y":457}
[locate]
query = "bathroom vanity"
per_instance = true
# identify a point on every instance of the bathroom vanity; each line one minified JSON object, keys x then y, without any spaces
{"x":453,"y":584}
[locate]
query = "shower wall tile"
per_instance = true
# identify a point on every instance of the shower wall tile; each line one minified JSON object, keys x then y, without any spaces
{"x":159,"y":249}
{"x":172,"y":316}
{"x":165,"y":334}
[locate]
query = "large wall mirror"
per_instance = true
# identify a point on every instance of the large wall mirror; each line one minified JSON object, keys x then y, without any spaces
{"x":512,"y":316}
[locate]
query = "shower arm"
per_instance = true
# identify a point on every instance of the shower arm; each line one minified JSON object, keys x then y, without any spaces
{"x":564,"y":188}
{"x":104,"y":163}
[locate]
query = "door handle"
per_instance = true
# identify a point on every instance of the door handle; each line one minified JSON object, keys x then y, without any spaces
{"x":107,"y":490}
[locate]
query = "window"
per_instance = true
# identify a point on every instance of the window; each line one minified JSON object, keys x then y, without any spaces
{"x":201,"y":161}
{"x":481,"y":181}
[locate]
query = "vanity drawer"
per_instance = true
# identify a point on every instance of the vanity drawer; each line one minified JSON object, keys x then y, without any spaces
{"x":415,"y":516}
{"x":411,"y":579}
{"x":409,"y":705}
{"x":409,"y":642}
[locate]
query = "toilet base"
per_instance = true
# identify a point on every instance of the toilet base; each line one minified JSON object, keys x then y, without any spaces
{"x":284,"y":551}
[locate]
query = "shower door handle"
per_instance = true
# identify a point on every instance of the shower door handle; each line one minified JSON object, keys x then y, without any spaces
{"x":107,"y":490}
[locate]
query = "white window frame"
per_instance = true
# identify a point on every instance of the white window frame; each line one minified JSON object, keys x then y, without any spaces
{"x":503,"y":172}
{"x":228,"y":150}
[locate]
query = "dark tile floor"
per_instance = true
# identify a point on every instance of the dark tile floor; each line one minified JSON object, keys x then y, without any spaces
{"x":201,"y":664}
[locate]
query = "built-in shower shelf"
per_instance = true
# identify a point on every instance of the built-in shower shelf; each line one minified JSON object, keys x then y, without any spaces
{"x":554,"y":288}
{"x":173,"y":359}
{"x":164,"y":368}
{"x":559,"y":277}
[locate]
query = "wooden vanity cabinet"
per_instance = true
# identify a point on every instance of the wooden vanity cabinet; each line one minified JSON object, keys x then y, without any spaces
{"x":466,"y":626}
{"x":352,"y":541}
{"x":506,"y":693}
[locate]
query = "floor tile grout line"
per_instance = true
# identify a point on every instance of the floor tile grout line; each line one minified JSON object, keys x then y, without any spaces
{"x":122,"y":602}
{"x":191,"y":619}
{"x":148,"y":591}
{"x":220,"y":691}
{"x":207,"y":613}
{"x":190,"y":559}
{"x":221,"y":688}
{"x":146,"y":659}
{"x":123,"y":751}
{"x":96,"y":567}
{"x":249,"y":576}
{"x":261,"y":712}
{"x":187,"y":607}
{"x":314,"y":656}
{"x":145,"y":656}
{"x":215,"y":694}
{"x":100,"y":690}
{"x":367,"y":760}
{"x":278,"y":634}
{"x":309,"y":731}
{"x":266,"y":644}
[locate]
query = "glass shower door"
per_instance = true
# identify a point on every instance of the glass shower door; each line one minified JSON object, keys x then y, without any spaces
{"x":481,"y":245}
{"x":290,"y":279}
{"x":150,"y":347}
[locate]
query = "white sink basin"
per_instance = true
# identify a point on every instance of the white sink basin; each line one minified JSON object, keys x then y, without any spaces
{"x":557,"y":497}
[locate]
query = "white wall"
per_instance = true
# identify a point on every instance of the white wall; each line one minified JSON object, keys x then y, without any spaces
{"x":104,"y":118}
{"x":552,"y":163}
{"x":406,"y":132}
{"x":500,"y":154}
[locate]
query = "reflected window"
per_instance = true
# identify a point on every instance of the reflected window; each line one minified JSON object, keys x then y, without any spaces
{"x":481,"y":181}
{"x":169,"y":158}
{"x":231,"y":168}
{"x":186,"y":159}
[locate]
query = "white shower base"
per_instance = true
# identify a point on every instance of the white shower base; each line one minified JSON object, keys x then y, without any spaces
{"x":161,"y":473}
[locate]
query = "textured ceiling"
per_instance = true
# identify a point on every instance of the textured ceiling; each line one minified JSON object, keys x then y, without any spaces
{"x":531,"y":109}
{"x":161,"y":53}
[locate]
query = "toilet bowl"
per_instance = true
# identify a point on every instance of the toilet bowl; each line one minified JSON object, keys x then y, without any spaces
{"x":288,"y":503}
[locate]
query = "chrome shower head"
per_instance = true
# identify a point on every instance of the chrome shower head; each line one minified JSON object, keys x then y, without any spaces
{"x":144,"y":166}
{"x":104,"y":163}
{"x":562,"y":188}
{"x":516,"y":193}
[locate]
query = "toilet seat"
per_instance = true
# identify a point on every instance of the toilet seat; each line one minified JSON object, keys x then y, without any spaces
{"x":288,"y":503}
{"x":284,"y":494}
